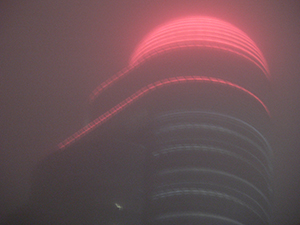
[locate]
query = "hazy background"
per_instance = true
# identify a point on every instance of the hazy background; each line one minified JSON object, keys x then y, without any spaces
{"x":54,"y":53}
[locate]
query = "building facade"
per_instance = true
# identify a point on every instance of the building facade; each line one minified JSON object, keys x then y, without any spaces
{"x":189,"y":113}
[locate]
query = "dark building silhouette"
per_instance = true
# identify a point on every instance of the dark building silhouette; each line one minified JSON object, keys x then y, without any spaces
{"x":180,"y":136}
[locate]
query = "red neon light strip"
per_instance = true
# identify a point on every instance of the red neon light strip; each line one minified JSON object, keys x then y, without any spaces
{"x":196,"y":32}
{"x":109,"y":82}
{"x":203,"y":25}
{"x":149,"y":88}
{"x":199,"y":26}
{"x":201,"y":21}
{"x":124,"y":72}
{"x":209,"y":38}
{"x":200,"y":45}
{"x":213,"y":40}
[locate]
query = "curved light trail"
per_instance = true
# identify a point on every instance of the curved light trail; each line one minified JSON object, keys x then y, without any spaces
{"x":219,"y":172}
{"x":203,"y":192}
{"x":222,"y":219}
{"x":146,"y":90}
{"x":199,"y":32}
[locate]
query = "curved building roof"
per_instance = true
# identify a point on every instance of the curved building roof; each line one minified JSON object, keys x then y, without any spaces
{"x":201,"y":32}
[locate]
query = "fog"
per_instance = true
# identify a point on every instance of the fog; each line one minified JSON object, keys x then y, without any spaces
{"x":54,"y":53}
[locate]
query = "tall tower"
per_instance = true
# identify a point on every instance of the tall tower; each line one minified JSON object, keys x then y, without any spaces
{"x":192,"y":101}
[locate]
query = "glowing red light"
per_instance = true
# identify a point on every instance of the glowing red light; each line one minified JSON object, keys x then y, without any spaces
{"x":149,"y":88}
{"x":192,"y":32}
{"x":199,"y":32}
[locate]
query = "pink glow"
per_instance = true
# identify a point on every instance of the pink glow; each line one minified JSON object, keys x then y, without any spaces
{"x":145,"y":90}
{"x":192,"y":32}
{"x":198,"y":32}
{"x":109,"y":82}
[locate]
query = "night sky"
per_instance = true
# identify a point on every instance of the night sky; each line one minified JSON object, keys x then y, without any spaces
{"x":54,"y":53}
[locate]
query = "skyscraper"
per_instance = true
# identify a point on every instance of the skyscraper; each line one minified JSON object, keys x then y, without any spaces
{"x":191,"y":103}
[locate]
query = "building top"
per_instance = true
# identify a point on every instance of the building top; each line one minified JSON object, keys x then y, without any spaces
{"x":199,"y":32}
{"x":187,"y":34}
